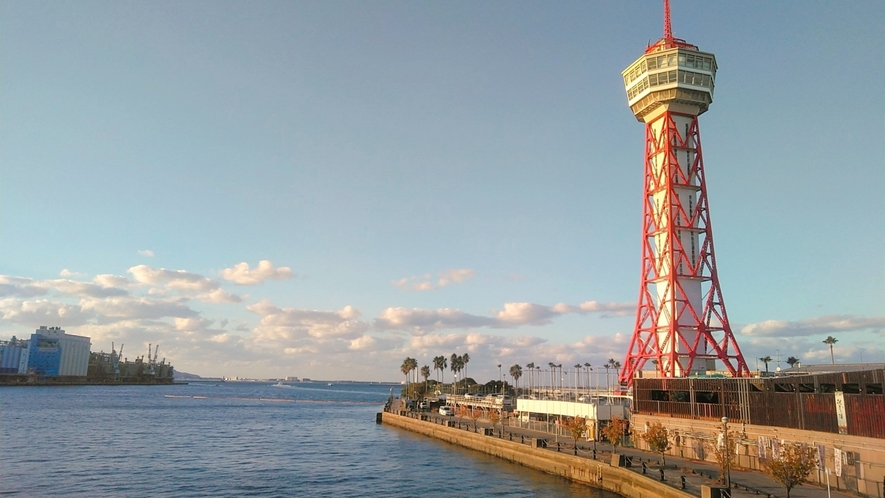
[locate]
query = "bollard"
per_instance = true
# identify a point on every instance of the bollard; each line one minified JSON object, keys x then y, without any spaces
{"x":557,"y":446}
{"x":682,"y":479}
{"x":576,"y":450}
{"x":511,"y":436}
{"x":662,"y":475}
{"x":594,"y":453}
{"x":644,"y":468}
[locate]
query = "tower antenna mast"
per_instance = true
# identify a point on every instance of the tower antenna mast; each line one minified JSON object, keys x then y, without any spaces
{"x":668,"y":29}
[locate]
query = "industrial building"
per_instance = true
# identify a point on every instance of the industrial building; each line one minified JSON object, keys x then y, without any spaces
{"x":73,"y":350}
{"x":53,"y":357}
{"x":49,"y":352}
{"x":14,"y":356}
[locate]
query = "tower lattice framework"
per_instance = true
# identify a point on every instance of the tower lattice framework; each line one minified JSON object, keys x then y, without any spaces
{"x":681,"y":323}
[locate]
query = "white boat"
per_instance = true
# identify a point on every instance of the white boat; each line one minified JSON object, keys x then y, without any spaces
{"x":280,"y":384}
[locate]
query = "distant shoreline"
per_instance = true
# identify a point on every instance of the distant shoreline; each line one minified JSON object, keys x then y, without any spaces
{"x":32,"y":381}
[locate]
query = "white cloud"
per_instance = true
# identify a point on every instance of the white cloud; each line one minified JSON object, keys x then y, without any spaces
{"x":513,"y":315}
{"x":22,"y":287}
{"x":84,"y":289}
{"x":423,"y":320}
{"x":828,"y":324}
{"x":220,"y":296}
{"x":291,"y":324}
{"x":137,"y":308}
{"x":455,"y":276}
{"x":42,"y":312}
{"x":363,"y":343}
{"x":108,"y":280}
{"x":526,"y":314}
{"x":67,"y":273}
{"x":428,"y":282}
{"x":241,"y":274}
{"x":173,"y":279}
{"x":186,"y":283}
{"x":146,"y":253}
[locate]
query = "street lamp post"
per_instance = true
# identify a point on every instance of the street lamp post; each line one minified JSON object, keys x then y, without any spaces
{"x":727,"y":454}
{"x":455,"y":386}
{"x":500,"y":378}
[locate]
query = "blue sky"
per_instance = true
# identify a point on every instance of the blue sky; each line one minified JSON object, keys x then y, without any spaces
{"x":423,"y":178}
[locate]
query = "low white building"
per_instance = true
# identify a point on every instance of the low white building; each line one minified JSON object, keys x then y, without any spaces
{"x":545,"y":414}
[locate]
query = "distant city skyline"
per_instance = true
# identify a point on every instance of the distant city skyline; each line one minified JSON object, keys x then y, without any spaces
{"x":320,"y":189}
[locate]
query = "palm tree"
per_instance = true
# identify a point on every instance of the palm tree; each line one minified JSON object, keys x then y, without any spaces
{"x":617,"y":367}
{"x":457,"y":365}
{"x":531,"y":367}
{"x":792,"y":361}
{"x":538,"y":376}
{"x":607,"y":367}
{"x":453,"y":365}
{"x":830,"y":340}
{"x":611,"y":364}
{"x":413,"y":364}
{"x":465,"y":359}
{"x":516,"y":373}
{"x":587,"y":366}
{"x":765,"y":359}
{"x":408,"y":365}
{"x":552,"y":370}
{"x":439,"y":364}
{"x":577,"y":373}
{"x":405,"y":369}
{"x":559,"y":376}
{"x":425,"y":372}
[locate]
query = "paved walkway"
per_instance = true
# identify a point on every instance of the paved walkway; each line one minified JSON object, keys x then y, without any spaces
{"x":745,"y":483}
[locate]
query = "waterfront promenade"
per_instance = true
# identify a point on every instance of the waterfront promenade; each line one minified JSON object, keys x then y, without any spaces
{"x":745,"y":483}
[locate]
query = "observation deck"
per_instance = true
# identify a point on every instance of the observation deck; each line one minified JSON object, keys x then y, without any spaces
{"x":670,"y":72}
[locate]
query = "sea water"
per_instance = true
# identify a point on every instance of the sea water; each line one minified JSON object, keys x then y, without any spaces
{"x":238,"y":439}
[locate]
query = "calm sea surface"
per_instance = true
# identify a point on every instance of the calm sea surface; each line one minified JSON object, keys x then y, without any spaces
{"x":237,"y":439}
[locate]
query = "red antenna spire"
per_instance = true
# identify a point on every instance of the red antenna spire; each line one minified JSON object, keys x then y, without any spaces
{"x":668,"y":31}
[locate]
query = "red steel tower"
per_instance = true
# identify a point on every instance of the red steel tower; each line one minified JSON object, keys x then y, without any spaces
{"x":681,"y":325}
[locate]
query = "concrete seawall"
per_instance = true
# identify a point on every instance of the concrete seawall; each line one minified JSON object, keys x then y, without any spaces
{"x":591,"y":472}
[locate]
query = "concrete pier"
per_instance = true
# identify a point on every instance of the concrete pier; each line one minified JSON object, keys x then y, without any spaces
{"x":593,"y":473}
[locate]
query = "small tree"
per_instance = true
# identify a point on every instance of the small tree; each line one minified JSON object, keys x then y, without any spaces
{"x":494,"y":417}
{"x":792,"y":466}
{"x":658,"y":439}
{"x":724,"y":455}
{"x":577,"y":427}
{"x":614,"y":431}
{"x":474,"y":414}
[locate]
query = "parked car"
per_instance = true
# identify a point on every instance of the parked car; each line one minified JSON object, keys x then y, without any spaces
{"x":447,"y":411}
{"x":502,"y":399}
{"x":423,"y":405}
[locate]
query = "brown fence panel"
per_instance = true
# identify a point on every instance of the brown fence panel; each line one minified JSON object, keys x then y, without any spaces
{"x":820,"y":412}
{"x":759,"y":411}
{"x":866,"y":415}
